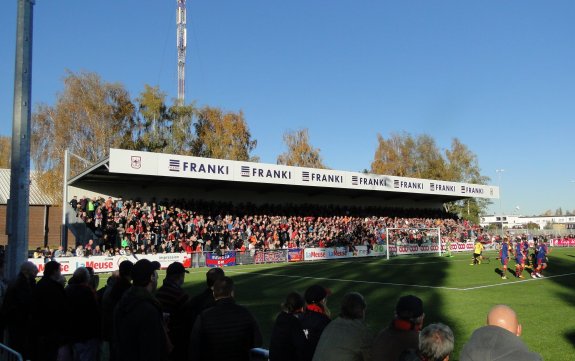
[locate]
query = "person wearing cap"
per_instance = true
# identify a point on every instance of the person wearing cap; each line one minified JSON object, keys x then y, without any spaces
{"x":346,"y":338}
{"x":49,"y":296}
{"x":139,"y":330}
{"x":172,"y":298}
{"x":315,"y":317}
{"x":225,"y":332}
{"x":403,"y":332}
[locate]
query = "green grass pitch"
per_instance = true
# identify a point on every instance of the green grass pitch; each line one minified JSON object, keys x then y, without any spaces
{"x":453,"y":292}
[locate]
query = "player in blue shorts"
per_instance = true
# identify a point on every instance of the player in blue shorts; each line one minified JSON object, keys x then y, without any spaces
{"x":541,"y":259}
{"x":519,"y":259}
{"x":505,"y":251}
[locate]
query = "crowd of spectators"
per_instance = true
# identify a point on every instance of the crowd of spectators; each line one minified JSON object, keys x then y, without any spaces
{"x":134,"y":226}
{"x":131,"y":319}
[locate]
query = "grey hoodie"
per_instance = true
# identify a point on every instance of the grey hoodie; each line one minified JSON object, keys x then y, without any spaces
{"x":492,"y":343}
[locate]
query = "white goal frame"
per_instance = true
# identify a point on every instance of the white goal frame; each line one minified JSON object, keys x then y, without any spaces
{"x":439,"y":242}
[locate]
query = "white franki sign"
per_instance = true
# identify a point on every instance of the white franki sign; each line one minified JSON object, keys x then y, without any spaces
{"x":170,"y":165}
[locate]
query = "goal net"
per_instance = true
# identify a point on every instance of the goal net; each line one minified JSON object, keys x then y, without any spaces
{"x":402,"y":241}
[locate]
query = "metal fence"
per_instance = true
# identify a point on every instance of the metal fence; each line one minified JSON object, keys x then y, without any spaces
{"x":7,"y":354}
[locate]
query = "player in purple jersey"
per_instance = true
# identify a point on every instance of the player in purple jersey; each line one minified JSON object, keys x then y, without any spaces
{"x":505,"y":250}
{"x":519,"y":259}
{"x":541,"y":259}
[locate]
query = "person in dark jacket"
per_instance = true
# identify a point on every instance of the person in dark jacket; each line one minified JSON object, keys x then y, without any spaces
{"x":49,"y":299}
{"x":139,"y":330}
{"x":288,"y":339}
{"x":436,"y":343}
{"x":403,"y":332}
{"x":84,"y":321}
{"x":17,"y":309}
{"x":315,"y":318}
{"x":499,"y":340}
{"x":172,"y":298}
{"x":118,"y":285}
{"x":225,"y":332}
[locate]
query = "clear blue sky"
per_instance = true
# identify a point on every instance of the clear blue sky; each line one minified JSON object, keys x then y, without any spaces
{"x":498,"y":75}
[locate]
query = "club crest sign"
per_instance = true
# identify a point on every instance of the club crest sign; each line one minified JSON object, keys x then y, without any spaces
{"x":136,"y":162}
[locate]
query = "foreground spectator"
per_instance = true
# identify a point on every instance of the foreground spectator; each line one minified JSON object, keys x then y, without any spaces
{"x":499,"y":340}
{"x":288,"y":339}
{"x":84,"y":318}
{"x":17,"y":309}
{"x":346,"y":338}
{"x":49,"y":299}
{"x":436,"y":343}
{"x":118,"y":285}
{"x":315,"y":317}
{"x":225,"y":332}
{"x":403,"y":332}
{"x":172,"y":298}
{"x":139,"y":330}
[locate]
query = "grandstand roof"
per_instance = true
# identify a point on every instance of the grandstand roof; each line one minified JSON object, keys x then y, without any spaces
{"x":37,"y":197}
{"x":139,"y":169}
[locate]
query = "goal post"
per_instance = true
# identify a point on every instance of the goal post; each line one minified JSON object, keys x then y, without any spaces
{"x":413,"y":241}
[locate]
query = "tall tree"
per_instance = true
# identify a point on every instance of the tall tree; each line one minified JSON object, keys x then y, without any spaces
{"x":5,"y":146}
{"x":300,"y":152}
{"x":89,"y":117}
{"x":223,"y":135}
{"x":407,"y":156}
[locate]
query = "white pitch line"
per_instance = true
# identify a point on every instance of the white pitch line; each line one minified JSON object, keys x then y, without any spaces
{"x":344,"y":280}
{"x":515,"y":282}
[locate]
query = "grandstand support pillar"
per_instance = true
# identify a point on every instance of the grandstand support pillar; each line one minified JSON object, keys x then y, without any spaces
{"x":439,"y":240}
{"x":64,"y":234}
{"x":387,"y":243}
{"x":17,"y":251}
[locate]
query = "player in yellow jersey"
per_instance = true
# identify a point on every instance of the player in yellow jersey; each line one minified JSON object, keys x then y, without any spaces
{"x":477,"y":250}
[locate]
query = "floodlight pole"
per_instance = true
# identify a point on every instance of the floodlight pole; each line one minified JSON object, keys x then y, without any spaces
{"x":499,"y":173}
{"x":64,"y":234}
{"x":18,"y":205}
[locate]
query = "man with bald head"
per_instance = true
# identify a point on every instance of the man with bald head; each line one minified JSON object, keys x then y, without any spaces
{"x":499,"y":340}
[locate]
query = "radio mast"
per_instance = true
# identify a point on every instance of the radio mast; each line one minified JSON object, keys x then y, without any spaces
{"x":181,"y":44}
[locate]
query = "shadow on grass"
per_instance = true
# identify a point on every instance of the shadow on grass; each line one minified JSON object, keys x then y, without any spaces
{"x":563,"y":266}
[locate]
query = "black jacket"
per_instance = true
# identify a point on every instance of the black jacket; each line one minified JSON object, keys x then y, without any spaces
{"x":139,"y":332}
{"x":17,"y":313}
{"x":313,"y":324}
{"x":288,"y":339}
{"x":225,"y":332}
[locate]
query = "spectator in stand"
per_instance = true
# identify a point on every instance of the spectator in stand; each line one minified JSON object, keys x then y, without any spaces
{"x":403,"y":332}
{"x":315,"y":317}
{"x":59,"y":252}
{"x":80,"y":251}
{"x":226,"y":331}
{"x":112,"y":295}
{"x":74,"y":204}
{"x":499,"y":340}
{"x":83,"y":318}
{"x":346,"y":338}
{"x":49,"y":296}
{"x":288,"y":339}
{"x":436,"y":343}
{"x":139,"y":329}
{"x":17,"y":310}
{"x":172,"y":298}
